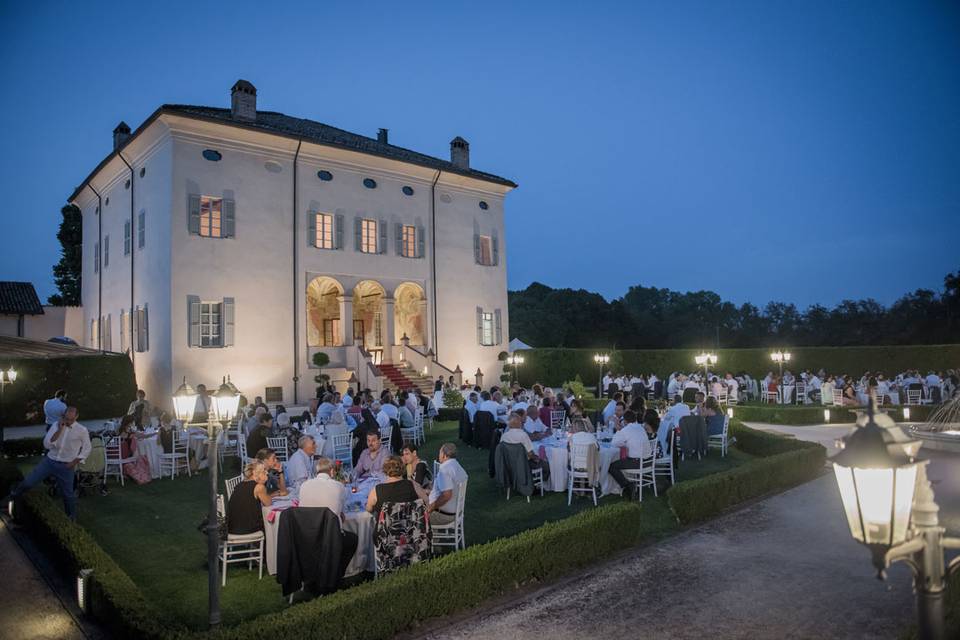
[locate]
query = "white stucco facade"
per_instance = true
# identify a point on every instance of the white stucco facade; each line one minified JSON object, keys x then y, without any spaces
{"x":264,"y":272}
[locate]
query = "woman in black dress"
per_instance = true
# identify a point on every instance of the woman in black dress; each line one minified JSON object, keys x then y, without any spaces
{"x":395,"y":489}
{"x":243,"y":511}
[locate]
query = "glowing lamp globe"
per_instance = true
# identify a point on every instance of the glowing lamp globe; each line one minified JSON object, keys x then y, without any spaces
{"x":184,"y":402}
{"x":876,"y":473}
{"x":226,"y":401}
{"x":12,"y":374}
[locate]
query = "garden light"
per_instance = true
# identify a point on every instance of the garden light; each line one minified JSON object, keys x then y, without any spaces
{"x":826,"y":415}
{"x":906,"y":413}
{"x":184,"y":402}
{"x":82,"y":578}
{"x":226,"y":401}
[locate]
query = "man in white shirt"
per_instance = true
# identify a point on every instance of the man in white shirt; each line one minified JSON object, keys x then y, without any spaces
{"x":490,"y":405}
{"x":533,"y":426}
{"x":932,"y":380}
{"x":442,"y":507}
{"x":471,"y":405}
{"x":514,"y":434}
{"x":611,"y":407}
{"x":674,"y":413}
{"x":634,"y":437}
{"x":68,"y":444}
{"x":300,"y":465}
{"x":733,"y":387}
{"x":54,"y":408}
{"x":324,"y":491}
{"x":605,"y":385}
{"x":673,"y":388}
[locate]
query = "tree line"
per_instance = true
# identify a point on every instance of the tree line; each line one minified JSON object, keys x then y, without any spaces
{"x":649,"y":317}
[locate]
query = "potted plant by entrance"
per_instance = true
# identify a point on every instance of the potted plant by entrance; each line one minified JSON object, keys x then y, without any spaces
{"x":320,"y":360}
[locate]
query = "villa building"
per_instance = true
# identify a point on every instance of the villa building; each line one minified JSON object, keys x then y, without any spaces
{"x":241,"y":242}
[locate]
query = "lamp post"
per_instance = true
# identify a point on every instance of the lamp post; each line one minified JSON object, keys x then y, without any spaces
{"x":6,"y":377}
{"x":780,"y":357}
{"x":515,"y":361}
{"x":706,"y":360}
{"x":601,"y":359}
{"x":890,"y":508}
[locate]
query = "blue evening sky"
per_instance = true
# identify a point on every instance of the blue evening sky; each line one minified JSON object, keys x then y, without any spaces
{"x":803,"y":151}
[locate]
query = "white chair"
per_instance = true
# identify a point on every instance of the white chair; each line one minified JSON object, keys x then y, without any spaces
{"x":771,"y":397}
{"x":436,"y":469}
{"x":114,"y":460}
{"x":663,"y":466}
{"x":247,"y":547}
{"x":838,"y":397}
{"x":343,"y":450}
{"x":914,"y":396}
{"x":386,"y":435}
{"x":452,"y":535}
{"x":242,"y":452}
{"x":557,"y":419}
{"x":720,"y":440}
{"x":232,"y":484}
{"x":418,"y":421}
{"x":723,"y":397}
{"x":643,"y":477}
{"x":537,"y":482}
{"x":580,"y":470}
{"x":179,"y":456}
{"x":801,"y":391}
{"x":279,"y":444}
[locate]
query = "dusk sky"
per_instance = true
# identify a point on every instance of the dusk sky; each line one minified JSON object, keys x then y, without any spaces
{"x":801,"y":152}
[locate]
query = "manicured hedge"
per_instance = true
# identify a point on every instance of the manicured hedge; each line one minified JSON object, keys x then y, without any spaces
{"x":98,"y":385}
{"x":784,"y":462}
{"x":553,"y":366}
{"x":23,"y":447}
{"x":813,"y":414}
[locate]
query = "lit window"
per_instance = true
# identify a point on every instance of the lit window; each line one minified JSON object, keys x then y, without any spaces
{"x":368,"y":236}
{"x":487,"y":332}
{"x":486,"y":251}
{"x":210,"y":212}
{"x":324,"y":239}
{"x":409,"y":244}
{"x":210,"y":313}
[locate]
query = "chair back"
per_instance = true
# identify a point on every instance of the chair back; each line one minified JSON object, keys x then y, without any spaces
{"x":838,"y":397}
{"x":112,"y":449}
{"x":231,"y":484}
{"x":484,"y":423}
{"x":461,"y":500}
{"x":690,"y":394}
{"x":557,"y":419}
{"x":343,"y":449}
{"x":402,"y":535}
{"x":913,"y":396}
{"x":242,"y":450}
{"x":279,"y":444}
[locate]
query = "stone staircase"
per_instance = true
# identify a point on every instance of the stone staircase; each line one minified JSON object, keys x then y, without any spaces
{"x":406,"y":378}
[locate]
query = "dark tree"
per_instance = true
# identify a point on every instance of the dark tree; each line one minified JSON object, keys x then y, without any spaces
{"x":66,"y":273}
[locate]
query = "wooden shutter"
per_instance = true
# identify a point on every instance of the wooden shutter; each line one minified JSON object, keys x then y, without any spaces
{"x":476,"y":248}
{"x":96,"y":257}
{"x":339,"y":230}
{"x":127,"y":239}
{"x":496,"y":249}
{"x":421,"y":242}
{"x":228,"y":322}
{"x":311,"y":228}
{"x":399,"y":238}
{"x":141,"y":228}
{"x":479,"y":325}
{"x":382,"y":228}
{"x":358,"y":233}
{"x":193,"y":304}
{"x":109,"y":333}
{"x":229,"y":219}
{"x":498,"y":338}
{"x":193,"y":215}
{"x":145,"y":336}
{"x":106,"y":251}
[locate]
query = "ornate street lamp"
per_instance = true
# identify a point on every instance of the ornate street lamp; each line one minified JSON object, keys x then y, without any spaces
{"x":184,"y":402}
{"x":515,"y":361}
{"x":601,"y":359}
{"x":890,"y":508}
{"x":6,"y":377}
{"x":780,"y":357}
{"x":706,"y":360}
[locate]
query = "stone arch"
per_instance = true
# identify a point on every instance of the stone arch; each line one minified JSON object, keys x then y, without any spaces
{"x":323,"y":312}
{"x":410,"y":312}
{"x":369,"y":315}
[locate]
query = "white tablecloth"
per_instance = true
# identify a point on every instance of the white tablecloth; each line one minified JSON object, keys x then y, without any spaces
{"x":786,"y":393}
{"x":359,"y":522}
{"x":149,"y":446}
{"x":558,"y":456}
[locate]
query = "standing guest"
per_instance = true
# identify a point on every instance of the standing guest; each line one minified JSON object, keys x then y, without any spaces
{"x":258,"y":437}
{"x":443,"y":498}
{"x":634,"y":437}
{"x":395,"y":488}
{"x":201,"y":412}
{"x":372,"y":458}
{"x":139,"y":408}
{"x":244,"y":514}
{"x":438,"y":385}
{"x":54,"y":408}
{"x":300,"y":465}
{"x":414,"y":468}
{"x":68,"y":444}
{"x":139,"y":469}
{"x":276,"y":484}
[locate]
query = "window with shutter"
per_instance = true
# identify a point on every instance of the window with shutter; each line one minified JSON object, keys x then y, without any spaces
{"x":358,"y":233}
{"x":421,"y":242}
{"x":408,"y":241}
{"x":367,"y":235}
{"x":398,"y":238}
{"x":126,"y":237}
{"x":194,"y":307}
{"x":211,"y":324}
{"x":212,"y":218}
{"x":499,"y":327}
{"x":229,"y":219}
{"x":321,"y":230}
{"x":479,"y":325}
{"x":339,"y":229}
{"x":108,"y":334}
{"x":229,"y":323}
{"x":141,"y":229}
{"x":382,"y":244}
{"x":106,"y":251}
{"x":123,"y":333}
{"x":476,"y":248}
{"x":485,"y":251}
{"x":495,"y":260}
{"x":193,"y":215}
{"x":141,"y":341}
{"x":311,"y":228}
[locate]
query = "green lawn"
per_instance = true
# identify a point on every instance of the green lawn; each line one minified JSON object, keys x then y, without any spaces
{"x":151,"y":532}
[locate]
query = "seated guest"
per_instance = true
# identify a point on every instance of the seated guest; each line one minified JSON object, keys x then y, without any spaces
{"x":251,"y":420}
{"x":442,"y":502}
{"x":326,"y":408}
{"x":258,"y":437}
{"x":165,"y":434}
{"x":615,"y":421}
{"x":322,"y":490}
{"x":405,"y":416}
{"x":612,"y":406}
{"x":395,"y":488}
{"x":413,"y":467}
{"x":849,"y":394}
{"x":634,"y":437}
{"x":300,"y":466}
{"x":244,"y":514}
{"x":714,"y":416}
{"x":372,"y":459}
{"x":388,"y":408}
{"x":471,"y":404}
{"x":534,"y":426}
{"x":580,"y":435}
{"x":545,"y":411}
{"x":675,"y":412}
{"x":651,"y":424}
{"x":276,"y":483}
{"x":491,"y":404}
{"x":576,"y":411}
{"x":139,"y":469}
{"x":514,"y":434}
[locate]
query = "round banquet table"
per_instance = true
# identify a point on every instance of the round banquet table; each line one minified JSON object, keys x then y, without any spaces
{"x":558,"y":455}
{"x":356,"y":519}
{"x":149,"y":446}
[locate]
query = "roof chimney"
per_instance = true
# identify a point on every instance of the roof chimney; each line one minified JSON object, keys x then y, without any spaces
{"x":382,"y":136}
{"x":243,"y":101}
{"x":120,"y":135}
{"x":460,"y":152}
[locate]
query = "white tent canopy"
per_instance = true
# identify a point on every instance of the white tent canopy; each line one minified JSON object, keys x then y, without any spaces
{"x":517,"y":345}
